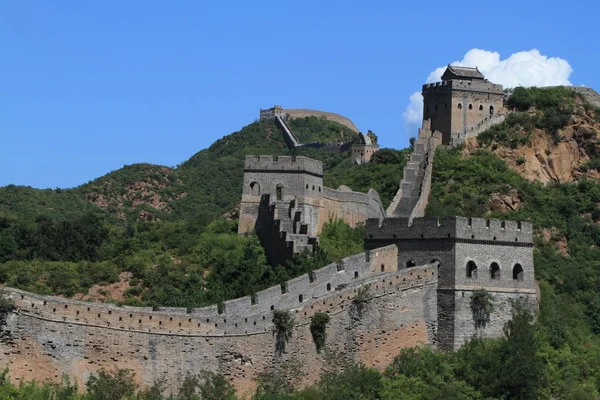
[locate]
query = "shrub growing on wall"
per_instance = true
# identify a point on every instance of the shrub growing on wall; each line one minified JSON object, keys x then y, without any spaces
{"x":361,"y":300}
{"x":283,"y":324}
{"x":318,"y":325}
{"x":482,"y":307}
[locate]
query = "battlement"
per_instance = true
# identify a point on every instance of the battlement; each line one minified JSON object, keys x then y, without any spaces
{"x":463,"y":85}
{"x":451,"y":228}
{"x":246,"y":315}
{"x":283,"y":164}
{"x":271,"y":113}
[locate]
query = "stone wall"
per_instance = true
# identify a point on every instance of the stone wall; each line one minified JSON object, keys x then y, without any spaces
{"x":352,"y":207}
{"x":46,"y":337}
{"x":275,"y":111}
{"x":301,"y":113}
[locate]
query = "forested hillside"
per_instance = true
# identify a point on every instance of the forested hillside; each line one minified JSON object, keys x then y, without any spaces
{"x":152,"y":235}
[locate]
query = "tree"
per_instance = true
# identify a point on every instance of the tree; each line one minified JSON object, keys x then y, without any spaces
{"x":118,"y":384}
{"x":318,"y":325}
{"x":283,"y":325}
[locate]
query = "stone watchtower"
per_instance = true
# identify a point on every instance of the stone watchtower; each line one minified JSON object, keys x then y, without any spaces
{"x":472,"y":254}
{"x":363,"y":149}
{"x":282,"y":199}
{"x":462,"y":104}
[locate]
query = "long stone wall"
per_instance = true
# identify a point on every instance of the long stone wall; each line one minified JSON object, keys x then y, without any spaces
{"x":45,"y":337}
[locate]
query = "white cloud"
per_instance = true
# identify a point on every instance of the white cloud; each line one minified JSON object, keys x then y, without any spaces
{"x":525,"y":68}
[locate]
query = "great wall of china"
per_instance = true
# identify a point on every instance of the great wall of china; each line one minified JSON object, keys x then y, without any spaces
{"x":420,"y":274}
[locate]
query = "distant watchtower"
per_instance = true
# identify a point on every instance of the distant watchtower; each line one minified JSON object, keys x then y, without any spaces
{"x":363,"y":149}
{"x":461,"y":102}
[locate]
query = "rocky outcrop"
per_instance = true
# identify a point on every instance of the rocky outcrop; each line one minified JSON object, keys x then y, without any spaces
{"x":505,"y":202}
{"x":547,"y":160}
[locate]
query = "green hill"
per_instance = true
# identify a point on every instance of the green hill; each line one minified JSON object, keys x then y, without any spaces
{"x":158,"y":225}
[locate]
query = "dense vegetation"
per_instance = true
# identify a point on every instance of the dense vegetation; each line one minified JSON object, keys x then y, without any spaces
{"x":161,"y":227}
{"x":176,"y":264}
{"x":549,"y":109}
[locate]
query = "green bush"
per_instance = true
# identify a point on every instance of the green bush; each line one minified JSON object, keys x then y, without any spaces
{"x":318,"y":327}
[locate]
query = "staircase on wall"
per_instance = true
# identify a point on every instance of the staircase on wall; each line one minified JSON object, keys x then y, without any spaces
{"x":413,"y":194}
{"x":410,"y":200}
{"x":474,"y":131}
{"x":286,"y":233}
{"x":291,"y":139}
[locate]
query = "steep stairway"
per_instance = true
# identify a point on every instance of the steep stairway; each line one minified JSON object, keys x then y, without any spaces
{"x":291,"y":139}
{"x":411,"y":199}
{"x":290,"y":228}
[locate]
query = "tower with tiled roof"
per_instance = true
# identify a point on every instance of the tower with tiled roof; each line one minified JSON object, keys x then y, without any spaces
{"x":461,"y":104}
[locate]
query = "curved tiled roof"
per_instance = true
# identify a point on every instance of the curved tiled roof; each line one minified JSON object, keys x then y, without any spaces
{"x":454,"y":72}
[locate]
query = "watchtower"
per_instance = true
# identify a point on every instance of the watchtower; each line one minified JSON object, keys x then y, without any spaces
{"x":473,"y":253}
{"x":459,"y":103}
{"x":363,"y":149}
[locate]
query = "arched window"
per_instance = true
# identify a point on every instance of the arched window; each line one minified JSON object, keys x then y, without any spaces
{"x":382,"y":268}
{"x":481,"y":107}
{"x":471,"y":270}
{"x":491,"y":110}
{"x":300,"y":298}
{"x":470,"y":106}
{"x":410,"y":264}
{"x":329,"y":287}
{"x":355,"y":274}
{"x":279,"y":192}
{"x":307,"y":185}
{"x":495,"y":271}
{"x":518,"y":272}
{"x":255,"y":189}
{"x":436,"y":107}
{"x":459,"y":106}
{"x":446,"y":106}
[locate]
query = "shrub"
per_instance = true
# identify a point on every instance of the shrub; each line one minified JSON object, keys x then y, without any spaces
{"x":318,"y":325}
{"x":361,"y":299}
{"x":482,"y":307}
{"x":283,"y":325}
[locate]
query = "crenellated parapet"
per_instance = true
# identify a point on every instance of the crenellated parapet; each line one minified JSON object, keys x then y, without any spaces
{"x":451,"y":228}
{"x":483,"y":86}
{"x":241,"y":316}
{"x":284,"y":164}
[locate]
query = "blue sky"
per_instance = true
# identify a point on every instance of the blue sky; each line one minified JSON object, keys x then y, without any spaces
{"x":89,"y":87}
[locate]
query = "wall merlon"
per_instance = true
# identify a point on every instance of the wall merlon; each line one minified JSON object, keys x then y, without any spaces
{"x":493,"y":229}
{"x":239,"y":307}
{"x":206,"y":312}
{"x":172,"y":310}
{"x":267,"y":298}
